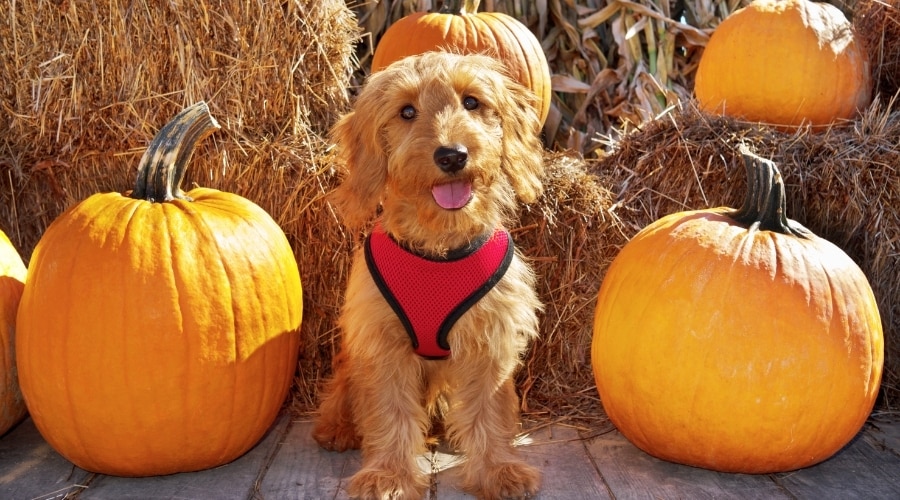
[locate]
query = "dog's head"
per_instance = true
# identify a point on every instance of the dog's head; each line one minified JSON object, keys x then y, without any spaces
{"x":442,"y":143}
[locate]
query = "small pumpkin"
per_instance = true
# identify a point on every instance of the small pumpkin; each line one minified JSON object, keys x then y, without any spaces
{"x":784,"y":63}
{"x":159,"y":332}
{"x":737,"y":340}
{"x":459,"y":27}
{"x":12,"y":281}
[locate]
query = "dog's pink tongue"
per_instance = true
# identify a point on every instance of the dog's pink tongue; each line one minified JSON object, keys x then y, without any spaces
{"x":452,"y":195}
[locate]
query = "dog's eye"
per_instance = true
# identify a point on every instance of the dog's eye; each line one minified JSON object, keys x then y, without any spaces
{"x":470,"y":102}
{"x":408,"y":112}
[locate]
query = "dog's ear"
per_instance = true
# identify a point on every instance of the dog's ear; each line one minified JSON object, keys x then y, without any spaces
{"x":363,"y":163}
{"x":523,"y":159}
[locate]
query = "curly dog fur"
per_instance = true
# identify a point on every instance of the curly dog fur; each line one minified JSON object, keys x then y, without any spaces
{"x":383,"y":397}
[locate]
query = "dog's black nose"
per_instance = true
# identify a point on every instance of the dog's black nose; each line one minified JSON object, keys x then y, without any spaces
{"x":451,"y":158}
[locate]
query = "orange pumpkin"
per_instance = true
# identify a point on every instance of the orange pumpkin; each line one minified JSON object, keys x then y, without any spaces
{"x":461,"y":28}
{"x":12,"y":280}
{"x":159,"y":332}
{"x":785,"y":63}
{"x":737,"y":340}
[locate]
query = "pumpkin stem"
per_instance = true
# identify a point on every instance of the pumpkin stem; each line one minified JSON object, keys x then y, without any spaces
{"x":164,"y":162}
{"x":765,"y":205}
{"x":459,"y":6}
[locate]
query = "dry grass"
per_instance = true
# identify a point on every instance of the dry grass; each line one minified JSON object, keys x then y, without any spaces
{"x":85,"y":86}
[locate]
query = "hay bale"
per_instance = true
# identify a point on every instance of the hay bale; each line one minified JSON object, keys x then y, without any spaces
{"x":570,"y":237}
{"x":87,"y":85}
{"x":877,"y":25}
{"x":841,"y":183}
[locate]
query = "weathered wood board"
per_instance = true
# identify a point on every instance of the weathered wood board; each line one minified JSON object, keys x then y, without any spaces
{"x":31,"y":469}
{"x":631,"y":473}
{"x":560,"y":454}
{"x":232,"y":481}
{"x":303,"y":471}
{"x":577,"y":464}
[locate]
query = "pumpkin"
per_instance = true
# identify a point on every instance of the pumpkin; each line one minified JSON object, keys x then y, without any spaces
{"x":737,"y":340}
{"x":159,"y":331}
{"x":462,"y":29}
{"x":12,"y":280}
{"x":785,"y":63}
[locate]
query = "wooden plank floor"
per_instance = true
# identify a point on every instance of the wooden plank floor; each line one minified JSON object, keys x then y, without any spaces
{"x":577,"y":463}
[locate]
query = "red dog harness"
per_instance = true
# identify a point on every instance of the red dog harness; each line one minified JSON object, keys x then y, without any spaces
{"x":429,"y":295}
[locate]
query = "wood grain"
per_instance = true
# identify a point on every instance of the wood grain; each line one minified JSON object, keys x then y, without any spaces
{"x":576,"y":464}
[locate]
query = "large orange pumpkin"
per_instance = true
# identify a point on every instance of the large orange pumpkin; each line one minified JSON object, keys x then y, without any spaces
{"x":12,"y":280}
{"x":785,"y":63}
{"x":461,"y":28}
{"x":737,"y":340}
{"x":159,"y":332}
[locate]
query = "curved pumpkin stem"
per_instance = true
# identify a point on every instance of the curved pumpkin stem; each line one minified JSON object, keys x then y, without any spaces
{"x":765,"y":206}
{"x":164,"y":162}
{"x":460,"y":7}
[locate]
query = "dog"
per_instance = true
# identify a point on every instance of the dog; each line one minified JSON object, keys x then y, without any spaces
{"x":439,"y":307}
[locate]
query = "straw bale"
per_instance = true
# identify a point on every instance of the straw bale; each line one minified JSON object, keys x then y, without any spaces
{"x":570,"y":237}
{"x":842,"y":183}
{"x":86,"y":85}
{"x":877,"y":25}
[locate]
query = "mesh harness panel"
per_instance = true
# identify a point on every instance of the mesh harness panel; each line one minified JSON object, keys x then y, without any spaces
{"x":430,"y":295}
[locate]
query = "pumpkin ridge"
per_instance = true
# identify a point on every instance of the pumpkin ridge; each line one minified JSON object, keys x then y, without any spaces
{"x":129,"y":238}
{"x":424,"y":23}
{"x":533,"y":52}
{"x":74,"y":418}
{"x":280,"y":269}
{"x":835,"y":310}
{"x":192,"y":348}
{"x":214,"y":262}
{"x":514,"y":33}
{"x":242,"y":353}
{"x":484,"y":38}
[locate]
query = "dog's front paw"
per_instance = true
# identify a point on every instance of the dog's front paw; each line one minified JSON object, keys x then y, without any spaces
{"x":381,"y":484}
{"x":511,"y":480}
{"x":336,"y":436}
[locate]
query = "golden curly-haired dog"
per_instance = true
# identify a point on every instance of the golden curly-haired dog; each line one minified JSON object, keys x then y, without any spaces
{"x":439,"y":308}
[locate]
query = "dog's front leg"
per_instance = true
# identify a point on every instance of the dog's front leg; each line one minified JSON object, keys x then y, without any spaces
{"x":482,"y":422}
{"x":334,"y":428}
{"x":391,"y":418}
